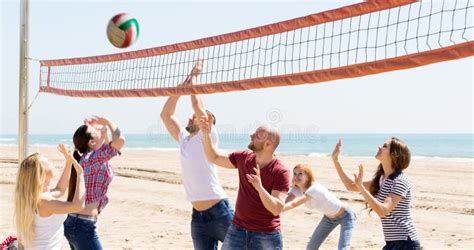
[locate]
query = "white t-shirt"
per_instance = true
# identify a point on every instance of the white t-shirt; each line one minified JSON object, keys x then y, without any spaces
{"x":49,"y":232}
{"x":321,"y":199}
{"x":199,"y":176}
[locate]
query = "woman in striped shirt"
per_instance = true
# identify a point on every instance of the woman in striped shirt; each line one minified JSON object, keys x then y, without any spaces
{"x":388,"y":193}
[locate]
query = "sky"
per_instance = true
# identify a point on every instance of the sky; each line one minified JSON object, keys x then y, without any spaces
{"x":437,"y":98}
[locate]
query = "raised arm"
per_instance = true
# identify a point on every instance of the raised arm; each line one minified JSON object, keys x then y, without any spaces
{"x":196,"y":100}
{"x":63,"y":181}
{"x":105,"y":135}
{"x":169,"y":119}
{"x":346,"y":180}
{"x":212,"y":155}
{"x":382,"y":209}
{"x":50,"y":205}
{"x":118,"y":139}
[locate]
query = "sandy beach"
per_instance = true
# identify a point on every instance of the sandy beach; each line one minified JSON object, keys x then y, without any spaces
{"x":148,"y":210}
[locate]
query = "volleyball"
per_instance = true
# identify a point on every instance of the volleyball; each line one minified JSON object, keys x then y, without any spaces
{"x":122,"y":30}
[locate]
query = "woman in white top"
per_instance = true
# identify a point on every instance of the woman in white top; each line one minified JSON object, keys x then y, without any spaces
{"x":39,"y":215}
{"x":306,"y":190}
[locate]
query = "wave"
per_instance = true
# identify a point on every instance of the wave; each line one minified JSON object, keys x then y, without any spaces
{"x":7,"y":139}
{"x":315,"y":154}
{"x":151,"y":148}
{"x":439,"y":158}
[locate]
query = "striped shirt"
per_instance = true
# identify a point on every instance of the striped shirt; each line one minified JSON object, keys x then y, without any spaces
{"x":397,"y":225}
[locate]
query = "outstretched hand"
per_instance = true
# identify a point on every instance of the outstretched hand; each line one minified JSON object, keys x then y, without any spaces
{"x":255,"y":179}
{"x":337,"y":150}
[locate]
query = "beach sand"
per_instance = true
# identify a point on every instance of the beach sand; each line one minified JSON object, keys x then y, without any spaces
{"x":148,"y":210}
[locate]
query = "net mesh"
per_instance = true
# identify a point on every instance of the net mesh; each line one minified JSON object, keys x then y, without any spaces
{"x":393,"y":33}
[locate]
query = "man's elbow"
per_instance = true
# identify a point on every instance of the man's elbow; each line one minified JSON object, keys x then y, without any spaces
{"x":278,"y":209}
{"x":164,"y":115}
{"x":212,"y":159}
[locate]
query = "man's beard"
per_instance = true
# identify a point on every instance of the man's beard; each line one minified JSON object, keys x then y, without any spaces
{"x":254,"y":148}
{"x":191,"y":129}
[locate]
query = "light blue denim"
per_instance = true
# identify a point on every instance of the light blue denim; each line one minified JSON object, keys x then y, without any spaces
{"x":326,"y":226}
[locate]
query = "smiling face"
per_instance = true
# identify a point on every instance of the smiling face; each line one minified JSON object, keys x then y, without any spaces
{"x":300,"y":178}
{"x":303,"y":176}
{"x":383,"y":153}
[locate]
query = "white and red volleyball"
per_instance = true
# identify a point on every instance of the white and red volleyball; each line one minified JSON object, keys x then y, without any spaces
{"x":122,"y":30}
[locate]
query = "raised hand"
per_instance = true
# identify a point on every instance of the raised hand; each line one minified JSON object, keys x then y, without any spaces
{"x":205,"y":124}
{"x":96,"y":120}
{"x":65,"y":152}
{"x":197,"y":69}
{"x":359,"y":178}
{"x":192,"y":77}
{"x":337,"y":150}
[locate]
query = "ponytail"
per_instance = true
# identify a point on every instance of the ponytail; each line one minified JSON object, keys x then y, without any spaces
{"x":73,"y":178}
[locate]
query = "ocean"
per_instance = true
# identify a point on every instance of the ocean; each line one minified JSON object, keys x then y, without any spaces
{"x":421,"y":145}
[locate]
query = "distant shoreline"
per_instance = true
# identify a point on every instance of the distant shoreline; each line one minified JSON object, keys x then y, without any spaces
{"x":313,"y":154}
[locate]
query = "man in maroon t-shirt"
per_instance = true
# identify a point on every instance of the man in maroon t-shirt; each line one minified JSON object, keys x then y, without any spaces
{"x":264,"y":184}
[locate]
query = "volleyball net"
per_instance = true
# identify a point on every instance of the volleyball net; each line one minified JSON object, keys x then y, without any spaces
{"x":366,"y":38}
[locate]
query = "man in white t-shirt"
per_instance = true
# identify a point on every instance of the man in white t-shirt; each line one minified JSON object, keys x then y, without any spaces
{"x":212,"y":214}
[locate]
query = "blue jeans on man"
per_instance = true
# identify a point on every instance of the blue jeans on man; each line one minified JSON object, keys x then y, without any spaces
{"x":210,"y":226}
{"x":238,"y":238}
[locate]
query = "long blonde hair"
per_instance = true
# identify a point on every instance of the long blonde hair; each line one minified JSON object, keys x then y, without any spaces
{"x":29,"y":186}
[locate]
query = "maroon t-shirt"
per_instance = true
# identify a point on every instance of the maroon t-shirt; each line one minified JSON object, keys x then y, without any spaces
{"x":250,"y":213}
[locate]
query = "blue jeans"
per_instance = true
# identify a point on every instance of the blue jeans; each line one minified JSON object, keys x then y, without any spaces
{"x":238,"y":238}
{"x":402,"y":245}
{"x":210,"y":226}
{"x":326,"y":226}
{"x":81,"y":234}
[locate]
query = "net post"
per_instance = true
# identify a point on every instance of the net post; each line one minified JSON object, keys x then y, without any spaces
{"x":23,"y":86}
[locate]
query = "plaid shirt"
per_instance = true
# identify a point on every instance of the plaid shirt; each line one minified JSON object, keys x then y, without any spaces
{"x":98,"y":174}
